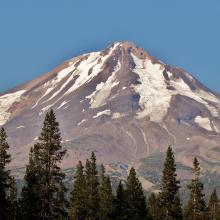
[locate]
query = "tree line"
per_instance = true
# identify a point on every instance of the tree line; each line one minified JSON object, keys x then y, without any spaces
{"x":44,"y":194}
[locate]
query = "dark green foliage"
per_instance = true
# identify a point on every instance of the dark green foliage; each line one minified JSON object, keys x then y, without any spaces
{"x":106,"y":196}
{"x":30,"y":201}
{"x":4,"y":175}
{"x":169,"y":198}
{"x":135,"y":198}
{"x":120,"y":203}
{"x":44,"y":178}
{"x":78,"y":195}
{"x":196,"y":206}
{"x":92,"y":192}
{"x":154,"y":210}
{"x":214,"y":207}
{"x":177,"y":208}
{"x":54,"y":203}
{"x":12,"y":198}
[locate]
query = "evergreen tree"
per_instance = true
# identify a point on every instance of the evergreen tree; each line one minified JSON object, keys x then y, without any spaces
{"x":176,"y":207}
{"x":135,"y":198}
{"x":30,"y":204}
{"x":12,"y":197}
{"x":169,"y":199}
{"x":196,"y":206}
{"x":92,"y":185}
{"x":44,"y":184}
{"x":153,"y":207}
{"x":5,"y":159}
{"x":106,"y":196}
{"x":54,"y":203}
{"x":78,"y":195}
{"x":214,"y":207}
{"x":120,"y":204}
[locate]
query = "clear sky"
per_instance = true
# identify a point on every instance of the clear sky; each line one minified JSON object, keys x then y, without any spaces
{"x":37,"y":35}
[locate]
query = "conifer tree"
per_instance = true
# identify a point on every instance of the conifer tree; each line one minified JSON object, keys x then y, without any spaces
{"x":106,"y":196}
{"x":168,"y":197}
{"x":12,"y":197}
{"x":54,"y":203}
{"x":214,"y":207}
{"x":30,"y":204}
{"x":196,"y":206}
{"x":44,"y":180}
{"x":153,"y":207}
{"x":5,"y":159}
{"x":92,"y":184}
{"x":176,"y":207}
{"x":120,"y":204}
{"x":78,"y":195}
{"x":135,"y":198}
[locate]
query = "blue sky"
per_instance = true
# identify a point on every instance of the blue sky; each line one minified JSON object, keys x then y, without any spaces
{"x":36,"y":36}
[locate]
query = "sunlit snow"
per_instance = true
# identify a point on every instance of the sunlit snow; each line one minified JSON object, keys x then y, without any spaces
{"x":103,"y":90}
{"x":6,"y":101}
{"x":203,"y":122}
{"x":105,"y":112}
{"x":155,"y":97}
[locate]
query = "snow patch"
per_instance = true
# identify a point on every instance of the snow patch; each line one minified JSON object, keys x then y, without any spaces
{"x":21,"y":126}
{"x":81,"y":122}
{"x":116,"y":115}
{"x":6,"y":101}
{"x":155,"y":97}
{"x":62,"y":104}
{"x":45,"y":109}
{"x":93,"y":62}
{"x":198,"y":95}
{"x":105,"y":112}
{"x":203,"y":122}
{"x":51,"y":85}
{"x":103,"y":90}
{"x":89,"y":68}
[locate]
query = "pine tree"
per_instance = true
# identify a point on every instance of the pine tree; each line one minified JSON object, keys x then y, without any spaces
{"x":135,"y":198}
{"x":5,"y":159}
{"x":78,"y":195}
{"x":214,"y":207}
{"x":12,"y":198}
{"x":196,"y":206}
{"x":169,"y":189}
{"x":106,"y":196}
{"x":153,"y":207}
{"x":43,"y":196}
{"x":176,"y":207}
{"x":30,"y":204}
{"x":120,"y":204}
{"x":92,"y":185}
{"x":54,"y":203}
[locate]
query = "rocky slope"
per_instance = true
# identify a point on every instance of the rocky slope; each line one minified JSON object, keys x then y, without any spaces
{"x":123,"y":104}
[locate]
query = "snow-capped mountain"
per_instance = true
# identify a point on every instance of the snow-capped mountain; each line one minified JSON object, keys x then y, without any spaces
{"x":123,"y":104}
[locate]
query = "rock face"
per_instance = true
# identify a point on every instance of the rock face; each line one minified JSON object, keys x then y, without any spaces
{"x":123,"y":104}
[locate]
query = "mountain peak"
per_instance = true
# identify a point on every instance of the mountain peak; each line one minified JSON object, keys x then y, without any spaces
{"x":124,"y":44}
{"x":129,"y":47}
{"x":120,"y":102}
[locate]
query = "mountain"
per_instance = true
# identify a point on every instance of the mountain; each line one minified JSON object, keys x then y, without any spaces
{"x":123,"y":104}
